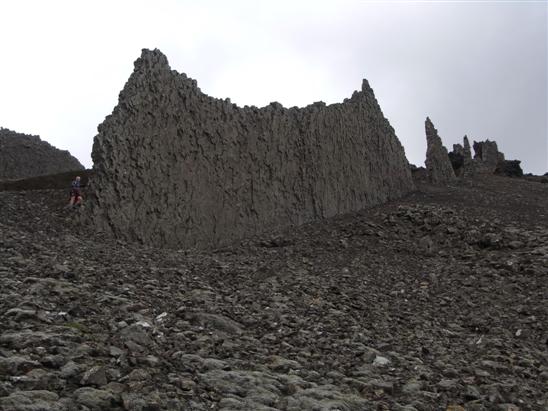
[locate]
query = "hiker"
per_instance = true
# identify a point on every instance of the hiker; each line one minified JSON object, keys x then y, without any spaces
{"x":75,"y":193}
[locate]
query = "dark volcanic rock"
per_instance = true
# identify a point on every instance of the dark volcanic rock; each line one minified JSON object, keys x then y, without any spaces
{"x":509,"y":168}
{"x":467,"y":155}
{"x":487,"y":160}
{"x":60,"y":180}
{"x":176,"y":167}
{"x":438,"y":165}
{"x":487,"y":156}
{"x":436,"y":301}
{"x":457,"y":159}
{"x":23,"y":155}
{"x":461,"y":159}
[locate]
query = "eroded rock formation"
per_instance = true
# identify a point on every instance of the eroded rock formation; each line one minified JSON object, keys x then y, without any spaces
{"x":487,"y":156}
{"x":24,"y":155}
{"x":487,"y":160}
{"x":461,"y":158}
{"x":438,"y":165}
{"x":176,"y":167}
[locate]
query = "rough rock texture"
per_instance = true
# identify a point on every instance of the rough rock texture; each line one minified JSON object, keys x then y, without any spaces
{"x":436,"y":301}
{"x":457,"y":159}
{"x":509,"y":168}
{"x":468,"y":162}
{"x":461,"y":159}
{"x":438,"y":165}
{"x":487,"y":156}
{"x":487,"y":160}
{"x":176,"y":167}
{"x":23,"y":155}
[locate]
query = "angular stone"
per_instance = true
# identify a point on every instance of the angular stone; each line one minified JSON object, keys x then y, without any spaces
{"x":380,"y":361}
{"x":70,"y":370}
{"x":218,"y":322}
{"x":137,"y":334}
{"x":95,"y":399}
{"x":281,"y":364}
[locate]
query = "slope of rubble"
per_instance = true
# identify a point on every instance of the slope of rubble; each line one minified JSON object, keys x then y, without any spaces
{"x":436,"y":301}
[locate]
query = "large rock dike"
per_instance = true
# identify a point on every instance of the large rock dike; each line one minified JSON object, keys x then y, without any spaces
{"x":175,"y":167}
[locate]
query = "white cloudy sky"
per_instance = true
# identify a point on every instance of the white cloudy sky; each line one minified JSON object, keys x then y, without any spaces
{"x":475,"y":67}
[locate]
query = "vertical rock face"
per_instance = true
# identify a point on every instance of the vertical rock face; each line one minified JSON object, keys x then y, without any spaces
{"x":487,"y":156}
{"x":176,"y":167}
{"x":438,"y":164}
{"x":457,"y":159}
{"x":23,"y":155}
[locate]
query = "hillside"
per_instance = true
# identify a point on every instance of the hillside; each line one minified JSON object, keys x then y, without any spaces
{"x":434,"y":301}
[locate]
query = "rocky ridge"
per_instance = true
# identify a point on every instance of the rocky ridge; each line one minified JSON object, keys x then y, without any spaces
{"x":24,"y":155}
{"x":487,"y":160}
{"x":175,"y":167}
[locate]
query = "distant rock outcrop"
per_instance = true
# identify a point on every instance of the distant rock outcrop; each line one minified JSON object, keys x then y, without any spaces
{"x":176,"y":167}
{"x":438,"y":165}
{"x":23,"y":156}
{"x":461,"y":158}
{"x":487,"y":160}
{"x":486,"y":156}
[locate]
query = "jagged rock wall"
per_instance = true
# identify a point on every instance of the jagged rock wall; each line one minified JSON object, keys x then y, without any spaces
{"x":438,"y":165}
{"x":24,"y":155}
{"x":176,"y":167}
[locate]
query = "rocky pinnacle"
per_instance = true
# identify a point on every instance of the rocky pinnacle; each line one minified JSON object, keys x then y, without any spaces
{"x":438,"y":165}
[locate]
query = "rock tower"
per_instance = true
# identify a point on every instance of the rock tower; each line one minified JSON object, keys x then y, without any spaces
{"x":175,"y":167}
{"x":487,"y":156}
{"x":487,"y":160}
{"x":438,"y":165}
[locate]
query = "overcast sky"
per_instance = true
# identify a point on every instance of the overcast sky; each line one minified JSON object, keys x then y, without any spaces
{"x":476,"y":68}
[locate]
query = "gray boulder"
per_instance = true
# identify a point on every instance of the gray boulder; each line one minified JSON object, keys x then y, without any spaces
{"x":487,"y":156}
